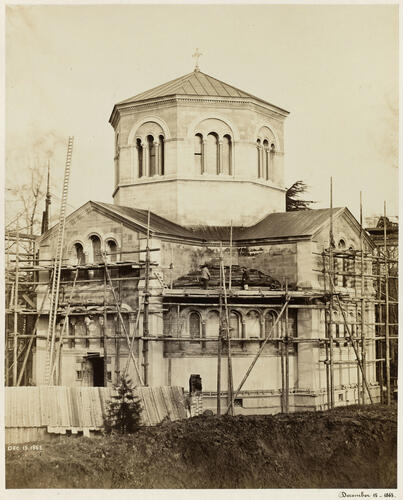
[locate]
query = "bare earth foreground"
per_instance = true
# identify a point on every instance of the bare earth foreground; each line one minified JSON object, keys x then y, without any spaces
{"x":350,"y":447}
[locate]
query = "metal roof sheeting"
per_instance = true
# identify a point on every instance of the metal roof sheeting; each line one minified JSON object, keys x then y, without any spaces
{"x":288,"y":224}
{"x":157,"y":224}
{"x":302,"y":223}
{"x":195,"y":84}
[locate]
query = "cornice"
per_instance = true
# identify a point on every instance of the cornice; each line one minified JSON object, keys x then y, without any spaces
{"x":201,"y":178}
{"x":179,"y":99}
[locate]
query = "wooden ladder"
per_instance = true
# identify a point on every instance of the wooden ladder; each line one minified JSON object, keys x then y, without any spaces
{"x":54,"y":294}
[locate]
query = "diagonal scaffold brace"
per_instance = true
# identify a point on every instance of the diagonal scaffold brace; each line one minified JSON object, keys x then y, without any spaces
{"x":287,"y":300}
{"x":121,"y":320}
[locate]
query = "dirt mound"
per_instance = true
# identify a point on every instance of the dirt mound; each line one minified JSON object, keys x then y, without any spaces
{"x":352,"y":447}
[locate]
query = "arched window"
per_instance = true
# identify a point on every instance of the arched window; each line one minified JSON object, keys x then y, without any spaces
{"x":351,"y":268}
{"x":194,"y":325}
{"x":161,"y":155}
{"x":212,"y":324}
{"x":80,"y":255}
{"x":265,"y":172}
{"x":226,"y":155}
{"x":96,"y":249}
{"x":269,"y":320}
{"x":292,"y":322}
{"x":212,"y":153}
{"x":270,"y":175}
{"x":341,"y":265}
{"x":252,"y":324}
{"x":140,"y":157}
{"x":259,"y":158}
{"x":151,"y":155}
{"x":198,"y":148}
{"x":234,"y":323}
{"x":112,"y":249}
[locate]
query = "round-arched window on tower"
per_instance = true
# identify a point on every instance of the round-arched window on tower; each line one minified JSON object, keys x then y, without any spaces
{"x":212,"y":153}
{"x":140,"y":157}
{"x":226,"y":155}
{"x":161,"y":157}
{"x":151,"y":156}
{"x":259,"y":158}
{"x":198,"y":154}
{"x":265,"y":159}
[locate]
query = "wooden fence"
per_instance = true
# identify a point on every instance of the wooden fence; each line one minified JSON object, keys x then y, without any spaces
{"x":34,"y":413}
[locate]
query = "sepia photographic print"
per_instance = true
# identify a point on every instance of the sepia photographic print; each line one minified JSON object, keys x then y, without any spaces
{"x":201,"y":250}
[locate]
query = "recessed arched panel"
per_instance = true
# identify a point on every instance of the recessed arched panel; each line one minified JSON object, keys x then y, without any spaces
{"x":219,"y":127}
{"x":151,"y":125}
{"x":206,"y":123}
{"x":235,"y":325}
{"x":252,"y":324}
{"x":194,"y":325}
{"x":270,"y":330}
{"x":212,"y":324}
{"x":266,"y":132}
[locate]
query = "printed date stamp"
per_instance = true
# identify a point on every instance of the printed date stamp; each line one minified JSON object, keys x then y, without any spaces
{"x":25,"y":447}
{"x":366,"y":494}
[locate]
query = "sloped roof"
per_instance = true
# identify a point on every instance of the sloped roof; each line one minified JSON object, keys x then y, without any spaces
{"x":302,"y":223}
{"x":192,"y":84}
{"x":158,"y":224}
{"x":288,"y":224}
{"x":281,"y":225}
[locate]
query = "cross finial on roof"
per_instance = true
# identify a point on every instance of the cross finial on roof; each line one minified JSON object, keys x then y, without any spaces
{"x":196,"y":55}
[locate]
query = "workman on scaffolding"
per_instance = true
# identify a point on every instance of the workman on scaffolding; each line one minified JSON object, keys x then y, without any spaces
{"x":245,"y":279}
{"x":205,"y":276}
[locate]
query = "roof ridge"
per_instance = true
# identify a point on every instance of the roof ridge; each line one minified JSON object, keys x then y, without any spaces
{"x":172,"y":87}
{"x":232,"y":86}
{"x":174,"y":81}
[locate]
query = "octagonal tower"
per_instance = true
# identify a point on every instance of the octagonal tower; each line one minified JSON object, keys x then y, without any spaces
{"x":198,"y":151}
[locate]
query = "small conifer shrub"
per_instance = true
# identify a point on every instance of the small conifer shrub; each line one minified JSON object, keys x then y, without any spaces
{"x":123,"y":412}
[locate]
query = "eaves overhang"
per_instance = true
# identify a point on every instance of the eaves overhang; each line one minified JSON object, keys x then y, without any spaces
{"x":120,"y":108}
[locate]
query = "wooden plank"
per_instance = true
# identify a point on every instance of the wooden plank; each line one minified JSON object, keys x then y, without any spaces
{"x":66,"y":421}
{"x":99,"y":409}
{"x":160,"y":403}
{"x":148,"y":392}
{"x":171,"y":410}
{"x":33,"y":406}
{"x":73,"y":407}
{"x":146,"y":416}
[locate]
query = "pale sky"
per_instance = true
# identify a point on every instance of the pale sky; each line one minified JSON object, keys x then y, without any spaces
{"x":335,"y":68}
